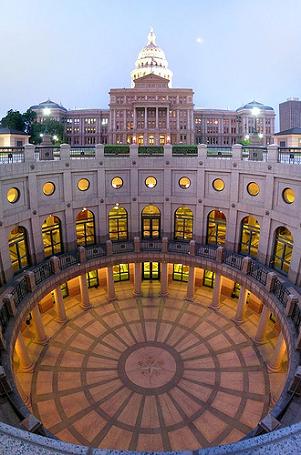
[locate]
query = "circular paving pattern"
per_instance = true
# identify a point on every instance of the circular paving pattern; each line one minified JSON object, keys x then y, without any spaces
{"x":150,"y":374}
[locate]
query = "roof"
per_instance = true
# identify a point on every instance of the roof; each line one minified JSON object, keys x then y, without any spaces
{"x":11,"y":131}
{"x":289,"y":131}
{"x":48,"y":104}
{"x":255,"y":104}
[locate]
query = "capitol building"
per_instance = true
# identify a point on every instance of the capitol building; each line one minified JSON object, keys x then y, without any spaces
{"x":150,"y":272}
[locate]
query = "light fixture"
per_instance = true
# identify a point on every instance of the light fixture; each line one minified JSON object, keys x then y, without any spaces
{"x":54,"y":137}
{"x":84,"y":209}
{"x":255,"y":111}
{"x":41,"y":135}
{"x":260,"y":135}
{"x":247,"y":137}
{"x":46,"y":111}
{"x":116,"y":206}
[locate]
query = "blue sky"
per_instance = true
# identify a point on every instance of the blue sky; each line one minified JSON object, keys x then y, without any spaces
{"x":74,"y":51}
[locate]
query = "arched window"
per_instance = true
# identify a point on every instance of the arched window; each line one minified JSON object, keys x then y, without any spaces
{"x":216,"y":228}
{"x":249,"y":236}
{"x":85,"y":228}
{"x":118,"y":223}
{"x":52,"y":236}
{"x":18,"y":248}
{"x":282,"y":251}
{"x":150,"y":222}
{"x":183,"y":224}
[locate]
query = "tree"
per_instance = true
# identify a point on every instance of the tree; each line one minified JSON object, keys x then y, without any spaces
{"x":29,"y":117}
{"x":49,"y":126}
{"x":13,"y":120}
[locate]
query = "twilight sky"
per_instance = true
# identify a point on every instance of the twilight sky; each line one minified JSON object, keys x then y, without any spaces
{"x":73,"y":51}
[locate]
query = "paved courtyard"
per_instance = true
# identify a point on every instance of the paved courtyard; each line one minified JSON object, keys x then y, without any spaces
{"x":150,"y":373}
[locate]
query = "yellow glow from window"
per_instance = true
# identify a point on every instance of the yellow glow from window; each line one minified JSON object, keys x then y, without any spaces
{"x":83,"y":184}
{"x":288,"y":195}
{"x":218,"y":184}
{"x":48,"y":188}
{"x":151,"y":210}
{"x":13,"y":195}
{"x":253,"y":189}
{"x":151,"y":182}
{"x":117,"y":182}
{"x":184,"y":182}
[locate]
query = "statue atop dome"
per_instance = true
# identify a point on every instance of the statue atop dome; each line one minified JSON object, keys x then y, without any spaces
{"x":151,"y":60}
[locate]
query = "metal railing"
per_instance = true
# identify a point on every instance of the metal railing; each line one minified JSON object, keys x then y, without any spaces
{"x":296,"y":316}
{"x":123,"y":247}
{"x":151,"y":245}
{"x":280,"y":291}
{"x":289,"y":155}
{"x":233,"y":259}
{"x":175,"y":246}
{"x":11,"y":155}
{"x":219,"y":152}
{"x":68,"y":259}
{"x":95,"y":251}
{"x":206,"y":251}
{"x":42,"y":271}
{"x":82,"y":152}
{"x":47,"y":152}
{"x":20,"y":291}
{"x":258,"y":271}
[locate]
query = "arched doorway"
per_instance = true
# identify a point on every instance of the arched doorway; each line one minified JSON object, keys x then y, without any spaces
{"x":150,"y":222}
{"x":282,"y":251}
{"x":216,"y":228}
{"x":85,"y":228}
{"x":118,"y":223}
{"x":183,"y":224}
{"x":249,"y":236}
{"x":52,"y":236}
{"x":18,"y":248}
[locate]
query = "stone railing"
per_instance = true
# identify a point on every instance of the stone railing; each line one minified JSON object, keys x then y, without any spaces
{"x":271,"y":153}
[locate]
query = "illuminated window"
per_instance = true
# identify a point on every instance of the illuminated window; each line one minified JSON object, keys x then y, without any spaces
{"x":249,"y":237}
{"x":288,"y":195}
{"x":151,"y":271}
{"x":121,"y":272}
{"x":151,"y":182}
{"x":209,"y":278}
{"x":83,"y":184}
{"x":282,"y":251}
{"x":18,"y":248}
{"x":52,"y":236}
{"x":184,"y":182}
{"x":183,"y":224}
{"x":253,"y":189}
{"x":117,"y":182}
{"x":180,"y":272}
{"x":216,"y":228}
{"x":92,"y":279}
{"x":150,"y":220}
{"x":218,"y":184}
{"x":48,"y":188}
{"x":85,"y":228}
{"x":118,"y":223}
{"x":13,"y":195}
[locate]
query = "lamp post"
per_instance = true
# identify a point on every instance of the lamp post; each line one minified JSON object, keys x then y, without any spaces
{"x":46,"y":139}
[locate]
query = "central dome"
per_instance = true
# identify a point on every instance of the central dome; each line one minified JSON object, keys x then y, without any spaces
{"x":151,"y":60}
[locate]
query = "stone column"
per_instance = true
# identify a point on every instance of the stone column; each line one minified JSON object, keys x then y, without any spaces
{"x":157,"y":117}
{"x":110,"y":284}
{"x":84,"y":293}
{"x":274,"y":364}
{"x":216,"y":291}
{"x":59,"y":305}
{"x":24,"y":358}
{"x":134,"y":121}
{"x":145,"y":118}
{"x":137,"y":278}
{"x":167,"y":119}
{"x":239,"y":316}
{"x":41,"y":337}
{"x":164,"y":279}
{"x":191,"y":283}
{"x":263,"y":321}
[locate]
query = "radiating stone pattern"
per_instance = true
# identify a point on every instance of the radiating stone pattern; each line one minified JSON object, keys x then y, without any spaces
{"x":150,"y":374}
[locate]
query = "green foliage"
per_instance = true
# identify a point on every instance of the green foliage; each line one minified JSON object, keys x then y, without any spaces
{"x":13,"y":120}
{"x":245,"y":142}
{"x":49,"y":126}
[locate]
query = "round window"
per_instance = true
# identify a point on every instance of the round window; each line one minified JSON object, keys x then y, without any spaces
{"x":151,"y":182}
{"x":184,"y":182}
{"x":288,"y":195}
{"x":117,"y":182}
{"x":48,"y":188}
{"x":83,"y":184}
{"x":218,"y":184}
{"x":253,"y":189}
{"x":13,"y":195}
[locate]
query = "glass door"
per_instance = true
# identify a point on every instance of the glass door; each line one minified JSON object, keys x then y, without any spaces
{"x":151,"y":271}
